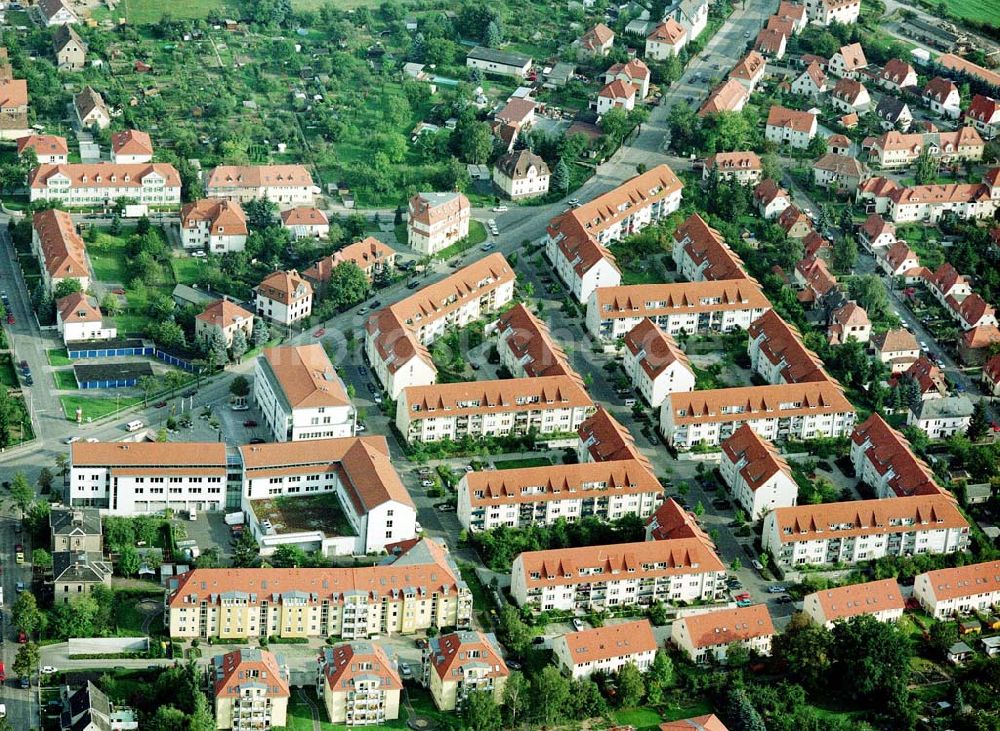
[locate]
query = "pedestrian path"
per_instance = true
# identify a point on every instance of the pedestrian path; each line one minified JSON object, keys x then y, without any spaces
{"x":312,"y":709}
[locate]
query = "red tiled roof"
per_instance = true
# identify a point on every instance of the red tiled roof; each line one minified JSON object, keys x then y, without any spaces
{"x":658,"y":350}
{"x":726,"y":626}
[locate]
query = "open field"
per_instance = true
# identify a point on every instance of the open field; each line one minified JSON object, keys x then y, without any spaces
{"x":95,"y":407}
{"x":150,"y":11}
{"x":107,"y":257}
{"x":986,"y":12}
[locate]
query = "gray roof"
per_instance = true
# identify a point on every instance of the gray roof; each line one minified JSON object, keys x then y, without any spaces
{"x":79,"y":566}
{"x":890,"y":108}
{"x":515,"y":164}
{"x":63,"y":35}
{"x":192,"y":295}
{"x":952,"y":407}
{"x":481,"y":53}
{"x":75,"y":522}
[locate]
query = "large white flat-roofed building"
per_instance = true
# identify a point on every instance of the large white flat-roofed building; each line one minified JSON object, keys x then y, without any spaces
{"x":286,"y":185}
{"x":500,"y":63}
{"x":597,"y":578}
{"x":396,"y":336}
{"x":880,"y":599}
{"x":437,"y":220}
{"x":517,"y":498}
{"x":758,"y":477}
{"x":605,"y":649}
{"x":712,"y":633}
{"x":691,"y":307}
{"x":654,"y":363}
{"x":359,"y":684}
{"x":421,"y":588}
{"x":787,"y":411}
{"x":357,"y":469}
{"x":86,"y":185}
{"x":300,"y":395}
{"x":864,"y":530}
{"x":946,"y":593}
{"x":132,"y":478}
{"x":548,"y":405}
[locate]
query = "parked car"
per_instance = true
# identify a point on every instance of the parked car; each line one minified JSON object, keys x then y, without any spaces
{"x":744,"y":603}
{"x":445,"y":507}
{"x":10,"y":318}
{"x":404,"y":670}
{"x":320,"y":333}
{"x":500,"y":209}
{"x":48,"y":669}
{"x":362,"y":370}
{"x":487,"y":246}
{"x":198,"y":254}
{"x":375,"y":304}
{"x":413,"y":284}
{"x":421,"y":643}
{"x":776,"y":589}
{"x":160,"y":404}
{"x":741,"y":596}
{"x":427,"y":483}
{"x":71,"y":440}
{"x":257,"y":440}
{"x":25,"y":682}
{"x":249,"y":423}
{"x":578,"y":624}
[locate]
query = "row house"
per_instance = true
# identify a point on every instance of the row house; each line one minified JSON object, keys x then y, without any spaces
{"x":667,"y":39}
{"x":790,"y":126}
{"x":700,"y":253}
{"x":896,"y":149}
{"x":50,"y":149}
{"x":437,"y":220}
{"x":864,"y":530}
{"x":771,"y":199}
{"x":814,"y":277}
{"x":850,"y":95}
{"x":933,"y":202}
{"x":874,"y":194}
{"x":286,"y":185}
{"x":749,"y":71}
{"x":79,"y":317}
{"x":943,"y":98}
{"x":758,"y":477}
{"x":457,"y":664}
{"x":59,"y":249}
{"x":251,"y":689}
{"x":876,"y":233}
{"x":975,"y":344}
{"x":654,"y":364}
{"x":898,"y":349}
{"x":526,"y":347}
{"x":947,"y":593}
{"x":730,"y":96}
{"x":882,"y":600}
{"x":798,"y":411}
{"x":284,"y":298}
{"x":129,"y":478}
{"x":396,"y":337}
{"x":300,"y":395}
{"x":897,"y":75}
{"x":635,"y":72}
{"x":370,"y":255}
{"x":358,"y":470}
{"x":707,"y":637}
{"x":605,"y":649}
{"x":601,"y":578}
{"x":827,"y":12}
{"x":215,"y":224}
{"x":477,"y":409}
{"x":811,"y":83}
{"x":839,"y":172}
{"x":848,"y":61}
{"x":359,"y":684}
{"x":778,"y":355}
{"x":973,"y":312}
{"x":946,"y":283}
{"x":884,"y":460}
{"x":691,"y":307}
{"x":88,"y":185}
{"x":602,"y":438}
{"x":991,"y":376}
{"x":419,"y":589}
{"x":770,"y":43}
{"x":743,"y":167}
{"x":519,"y":498}
{"x":611,"y":217}
{"x":984,"y":114}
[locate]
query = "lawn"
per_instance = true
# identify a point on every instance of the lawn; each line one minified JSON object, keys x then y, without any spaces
{"x":477,"y":235}
{"x":187,"y":269}
{"x":8,"y":377}
{"x":150,"y":11}
{"x":975,"y":10}
{"x":95,"y":407}
{"x":518,"y":464}
{"x":107,"y":257}
{"x":58,"y":357}
{"x":65,"y":380}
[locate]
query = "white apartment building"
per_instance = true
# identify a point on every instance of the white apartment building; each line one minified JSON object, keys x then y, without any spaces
{"x":709,"y":635}
{"x":285,"y":185}
{"x":396,"y":336}
{"x":791,"y":127}
{"x":786,"y":411}
{"x":654,"y":363}
{"x":300,"y":394}
{"x":101,"y":184}
{"x":215,"y":224}
{"x":605,"y":649}
{"x":130,"y":478}
{"x":864,"y":530}
{"x":548,"y":404}
{"x":359,"y":684}
{"x":700,"y":253}
{"x":521,"y":174}
{"x":947,"y":593}
{"x":583,"y":265}
{"x":437,"y":220}
{"x":883,"y":459}
{"x":759,"y":478}
{"x":596,"y":578}
{"x":744,"y":167}
{"x":880,"y":599}
{"x":826,"y":12}
{"x":518,"y":498}
{"x":284,"y":298}
{"x":692,"y":307}
{"x":777,"y":353}
{"x":897,"y":149}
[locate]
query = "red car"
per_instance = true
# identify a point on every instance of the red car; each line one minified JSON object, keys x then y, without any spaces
{"x":320,"y":333}
{"x":160,"y":404}
{"x":742,"y":596}
{"x":10,"y":318}
{"x":22,"y":638}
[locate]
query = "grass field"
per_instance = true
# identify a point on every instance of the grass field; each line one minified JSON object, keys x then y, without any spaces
{"x":65,"y":380}
{"x":107,"y":257}
{"x":150,"y":11}
{"x":58,"y":357}
{"x":987,"y":12}
{"x":186,"y":269}
{"x":95,"y":407}
{"x":518,"y":464}
{"x":477,"y":235}
{"x":8,"y":377}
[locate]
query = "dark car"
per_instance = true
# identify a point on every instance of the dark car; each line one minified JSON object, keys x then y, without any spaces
{"x":10,"y":318}
{"x":29,"y":381}
{"x":375,"y":304}
{"x":249,"y":423}
{"x":413,"y":285}
{"x":257,"y":440}
{"x":371,"y":388}
{"x":190,"y":392}
{"x":421,"y":643}
{"x":25,"y":681}
{"x":23,"y":365}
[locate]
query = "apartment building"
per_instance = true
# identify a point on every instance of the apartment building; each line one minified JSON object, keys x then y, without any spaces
{"x":88,"y":185}
{"x":700,"y":253}
{"x":941,"y":417}
{"x":476,"y":409}
{"x":396,"y":336}
{"x":576,"y":240}
{"x":518,"y":498}
{"x":285,"y":185}
{"x":692,"y":307}
{"x":984,"y":114}
{"x":946,"y":593}
{"x":129,"y":478}
{"x":251,"y":688}
{"x":758,"y":477}
{"x":883,"y":459}
{"x":708,"y":636}
{"x":880,"y":599}
{"x":460,"y":663}
{"x":931,"y":203}
{"x":788,"y":126}
{"x":357,"y":469}
{"x":215,"y":224}
{"x":654,"y":363}
{"x":75,"y":529}
{"x":421,"y":588}
{"x":781,"y":412}
{"x":225,"y":317}
{"x":300,"y":394}
{"x":78,"y":317}
{"x":864,"y":530}
{"x":744,"y":167}
{"x":359,"y":684}
{"x":826,"y":12}
{"x":437,"y":220}
{"x":284,"y":297}
{"x":526,"y":347}
{"x":131,"y":147}
{"x":897,"y":150}
{"x":778,"y":355}
{"x":602,"y":438}
{"x":370,"y":255}
{"x":671,"y":521}
{"x":605,"y":649}
{"x":596,"y":578}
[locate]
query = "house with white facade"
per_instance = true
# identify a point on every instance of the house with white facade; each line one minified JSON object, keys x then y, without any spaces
{"x":526,"y":347}
{"x":758,"y":477}
{"x":691,"y":14}
{"x":750,"y":71}
{"x":701,"y":254}
{"x":850,"y":95}
{"x":943,"y":97}
{"x":285,"y":185}
{"x":635,"y":72}
{"x":941,"y":417}
{"x":744,"y":167}
{"x":284,"y":297}
{"x":59,"y":249}
{"x":131,"y":147}
{"x":880,"y":599}
{"x":666,"y":40}
{"x":789,"y":126}
{"x":79,"y":317}
{"x":215,"y":224}
{"x":51,"y":149}
{"x":89,"y":185}
{"x":896,"y":348}
{"x":654,"y":363}
{"x":606,"y":649}
{"x":436,"y":221}
{"x":947,"y":593}
{"x":709,"y":635}
{"x":521,"y":174}
{"x":771,"y":199}
{"x":90,"y":109}
{"x":848,"y":61}
{"x":811,"y":82}
{"x":306,"y":222}
{"x":777,"y":353}
{"x":225,"y":317}
{"x":897,"y":75}
{"x":616,"y":95}
{"x":984,"y":114}
{"x":826,"y":12}
{"x":884,"y":460}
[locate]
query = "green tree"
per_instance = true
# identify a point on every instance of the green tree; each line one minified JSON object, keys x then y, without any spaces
{"x":26,"y":661}
{"x":128,"y":561}
{"x":925,"y":169}
{"x":169,"y":718}
{"x":261,"y":332}
{"x":869,"y":291}
{"x":805,"y":649}
{"x":21,"y":493}
{"x":586,"y":699}
{"x":45,"y":478}
{"x":246,"y":552}
{"x":550,"y":691}
{"x":515,"y":633}
{"x":240,"y":387}
{"x":260,"y":213}
{"x":348,"y":285}
{"x":560,"y":177}
{"x":516,"y":697}
{"x":979,"y":425}
{"x":216,"y":350}
{"x":474,"y":141}
{"x":845,"y":254}
{"x":481,"y":711}
{"x":615,"y":124}
{"x":741,"y":713}
{"x":491,"y":38}
{"x":41,"y":559}
{"x":67,"y":287}
{"x":659,"y":678}
{"x":870,"y":660}
{"x":817,"y":147}
{"x":941,"y":636}
{"x":288,"y":557}
{"x":201,"y":718}
{"x":239,"y":346}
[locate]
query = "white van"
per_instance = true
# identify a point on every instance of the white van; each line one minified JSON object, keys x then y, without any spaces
{"x":192,"y":514}
{"x":134,"y":425}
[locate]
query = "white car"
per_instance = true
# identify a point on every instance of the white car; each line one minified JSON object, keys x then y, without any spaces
{"x":3,"y":710}
{"x":469,"y":468}
{"x":71,"y":440}
{"x":491,"y":223}
{"x":198,"y":254}
{"x":500,"y":209}
{"x":418,"y":528}
{"x":48,"y":669}
{"x":360,"y":428}
{"x":578,"y":624}
{"x":427,"y":483}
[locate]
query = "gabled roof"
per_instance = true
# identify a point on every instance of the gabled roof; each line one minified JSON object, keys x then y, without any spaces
{"x":791,"y":118}
{"x":710,"y":722}
{"x":841,"y":165}
{"x":529,"y":341}
{"x":66,"y":34}
{"x":515,"y":165}
{"x":635,"y":69}
{"x":759,"y":458}
{"x":284,"y":287}
{"x":131,"y":142}
{"x":224,"y":217}
{"x":983,"y":109}
{"x":780,"y":342}
{"x":81,"y":567}
{"x":815,"y":73}
{"x":494,"y":397}
{"x":606,"y":439}
{"x":304,"y":216}
{"x":608,"y":642}
{"x":618,"y":89}
{"x":849,"y":90}
{"x":646,"y":300}
{"x":432,"y":207}
{"x":655,"y":350}
{"x":981,"y":336}
{"x":597,"y":37}
{"x":344,"y":664}
{"x":853,"y":600}
{"x":749,"y":67}
{"x":747,"y":403}
{"x":963,"y":581}
{"x":726,"y":626}
{"x":306,"y":376}
{"x":895,"y":341}
{"x":769,"y":41}
{"x":364,"y":253}
{"x":50,"y":8}
{"x":78,"y":307}
{"x":896,"y":71}
{"x":767,"y":191}
{"x":162,"y":455}
{"x":63,"y":251}
{"x":940,"y":89}
{"x":516,"y":111}
{"x":249,"y":669}
{"x":105,"y":174}
{"x":874,"y":226}
{"x":44,"y":144}
{"x":703,"y":245}
{"x":671,"y":521}
{"x":224,"y":313}
{"x":88,"y":100}
{"x":450,"y":655}
{"x":669,"y":32}
{"x":257,"y":176}
{"x":726,"y":97}
{"x":854,"y":56}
